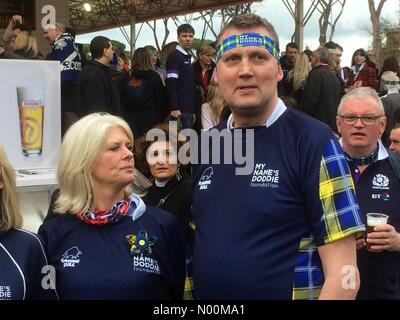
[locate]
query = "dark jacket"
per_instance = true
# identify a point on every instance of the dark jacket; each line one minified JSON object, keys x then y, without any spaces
{"x":96,"y":91}
{"x":144,"y":106}
{"x":321,"y":96}
{"x":174,"y":197}
{"x":21,"y":54}
{"x":180,"y":86}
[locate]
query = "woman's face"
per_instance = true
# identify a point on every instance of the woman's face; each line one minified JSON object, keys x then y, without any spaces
{"x":358,"y":59}
{"x":162,"y":160}
{"x":114,"y":165}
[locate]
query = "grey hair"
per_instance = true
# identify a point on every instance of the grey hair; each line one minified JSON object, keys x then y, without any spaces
{"x":362,"y":94}
{"x":390,"y":80}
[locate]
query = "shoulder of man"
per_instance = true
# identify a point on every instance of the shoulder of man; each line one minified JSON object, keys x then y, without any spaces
{"x":394,"y":159}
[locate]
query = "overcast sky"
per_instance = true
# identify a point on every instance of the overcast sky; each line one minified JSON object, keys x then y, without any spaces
{"x":351,"y":30}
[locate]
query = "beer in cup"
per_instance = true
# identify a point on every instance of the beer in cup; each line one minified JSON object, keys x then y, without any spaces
{"x":373,"y":220}
{"x":31,"y":114}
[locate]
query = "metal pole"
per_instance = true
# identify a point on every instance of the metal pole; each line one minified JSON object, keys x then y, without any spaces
{"x":133,"y":32}
{"x":298,"y":37}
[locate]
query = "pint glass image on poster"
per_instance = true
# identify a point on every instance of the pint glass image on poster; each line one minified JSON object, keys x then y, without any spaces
{"x":30,"y":124}
{"x":31,"y":114}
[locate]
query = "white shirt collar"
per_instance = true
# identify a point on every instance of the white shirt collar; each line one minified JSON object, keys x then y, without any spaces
{"x":279,"y":109}
{"x":382,"y":153}
{"x":140,"y":207}
{"x":180,"y":49}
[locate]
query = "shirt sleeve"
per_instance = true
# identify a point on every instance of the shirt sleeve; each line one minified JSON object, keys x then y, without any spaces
{"x":333,"y":207}
{"x":173,"y":70}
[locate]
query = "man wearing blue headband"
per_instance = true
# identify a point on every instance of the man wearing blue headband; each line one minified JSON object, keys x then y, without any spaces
{"x":287,"y":229}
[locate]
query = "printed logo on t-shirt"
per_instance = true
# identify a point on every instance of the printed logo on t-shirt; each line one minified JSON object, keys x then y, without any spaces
{"x":141,"y":250}
{"x":381,"y":196}
{"x":264,"y":177}
{"x":205,"y":179}
{"x":5,"y":292}
{"x":381,"y":182}
{"x":71,"y":257}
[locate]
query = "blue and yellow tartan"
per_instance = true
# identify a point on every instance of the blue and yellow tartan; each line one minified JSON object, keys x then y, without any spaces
{"x":188,"y":292}
{"x":247,"y":39}
{"x":340,"y":218}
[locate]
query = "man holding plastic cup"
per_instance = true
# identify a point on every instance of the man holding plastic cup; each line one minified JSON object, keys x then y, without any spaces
{"x":361,"y":121}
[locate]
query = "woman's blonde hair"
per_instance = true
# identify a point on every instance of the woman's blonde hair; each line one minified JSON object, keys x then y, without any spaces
{"x":82,"y":144}
{"x":27,"y":42}
{"x":10,"y":216}
{"x":215,"y":100}
{"x":300,"y":70}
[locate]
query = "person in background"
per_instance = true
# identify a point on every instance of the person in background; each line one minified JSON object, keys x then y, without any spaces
{"x":363,"y":74}
{"x":322,"y":93}
{"x":389,"y":64}
{"x":287,"y":63}
{"x":180,"y":81}
{"x":14,"y":27}
{"x":284,"y":225}
{"x":65,"y":51}
{"x":203,"y":69}
{"x":297,"y":77}
{"x":143,"y":94}
{"x":95,"y":89}
{"x":155,"y":61}
{"x":107,"y":244}
{"x":361,"y":121}
{"x":395,"y":138}
{"x":390,"y":83}
{"x":23,"y":263}
{"x":212,"y":107}
{"x":24,"y":46}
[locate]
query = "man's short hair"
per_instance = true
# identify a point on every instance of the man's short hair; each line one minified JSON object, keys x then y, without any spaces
{"x":291,"y":45}
{"x":361,"y":94}
{"x":185,"y":28}
{"x":97,"y":46}
{"x":55,"y":26}
{"x":323,"y":54}
{"x":250,"y":20}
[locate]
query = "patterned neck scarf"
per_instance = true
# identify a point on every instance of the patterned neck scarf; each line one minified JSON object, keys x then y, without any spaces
{"x":364,"y":161}
{"x":101,"y":217}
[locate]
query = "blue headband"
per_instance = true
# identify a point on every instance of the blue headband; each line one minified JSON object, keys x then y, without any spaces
{"x":246,"y":40}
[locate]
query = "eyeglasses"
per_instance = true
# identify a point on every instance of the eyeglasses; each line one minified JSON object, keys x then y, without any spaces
{"x":365,"y":120}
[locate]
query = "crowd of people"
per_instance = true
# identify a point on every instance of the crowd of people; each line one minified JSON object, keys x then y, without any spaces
{"x":131,"y":220}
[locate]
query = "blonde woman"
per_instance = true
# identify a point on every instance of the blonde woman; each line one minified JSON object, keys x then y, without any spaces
{"x":25,"y":47}
{"x":106,"y":243}
{"x":297,"y":77}
{"x":22,"y":259}
{"x":211,"y":109}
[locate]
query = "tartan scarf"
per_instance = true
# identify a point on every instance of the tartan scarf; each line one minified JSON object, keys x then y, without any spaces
{"x":364,"y":161}
{"x":113,"y":215}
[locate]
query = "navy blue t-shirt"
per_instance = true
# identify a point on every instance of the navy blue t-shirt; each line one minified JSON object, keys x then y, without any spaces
{"x":256,"y":234}
{"x":378,"y":189}
{"x":23,"y":267}
{"x":98,"y":261}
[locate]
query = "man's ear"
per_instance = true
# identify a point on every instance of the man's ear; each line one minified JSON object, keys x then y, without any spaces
{"x":215,"y":79}
{"x":1,"y":185}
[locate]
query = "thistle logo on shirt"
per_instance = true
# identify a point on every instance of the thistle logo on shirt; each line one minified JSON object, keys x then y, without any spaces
{"x":264,"y":177}
{"x":381,"y":182}
{"x":205,"y":179}
{"x":5,"y":293}
{"x":71,"y":257}
{"x":141,"y":246}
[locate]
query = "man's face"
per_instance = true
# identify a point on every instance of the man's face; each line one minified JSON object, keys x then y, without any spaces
{"x":291,"y":54}
{"x":248,"y":76}
{"x":395,"y":138}
{"x":337,"y":57}
{"x":51,"y":35}
{"x":314,"y":59}
{"x":185,"y":40}
{"x":360,"y":139}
